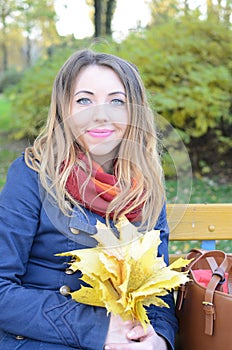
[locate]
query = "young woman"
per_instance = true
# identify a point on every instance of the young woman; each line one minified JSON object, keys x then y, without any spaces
{"x":96,"y":159}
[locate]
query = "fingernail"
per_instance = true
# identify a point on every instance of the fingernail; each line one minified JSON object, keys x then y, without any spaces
{"x":131,"y":334}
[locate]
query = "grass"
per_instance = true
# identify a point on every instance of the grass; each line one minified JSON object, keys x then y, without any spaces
{"x":4,"y":112}
{"x":199,"y":190}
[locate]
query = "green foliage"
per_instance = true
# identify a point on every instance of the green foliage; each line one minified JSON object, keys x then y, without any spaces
{"x":30,"y":98}
{"x":9,"y":78}
{"x":4,"y":114}
{"x":186,"y":66}
{"x":8,"y":148}
{"x":27,"y":30}
{"x":6,"y":158}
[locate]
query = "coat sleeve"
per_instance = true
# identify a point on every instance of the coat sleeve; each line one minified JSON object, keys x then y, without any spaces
{"x":163,"y":319}
{"x":37,"y":313}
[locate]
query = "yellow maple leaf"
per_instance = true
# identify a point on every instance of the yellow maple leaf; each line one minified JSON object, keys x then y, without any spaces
{"x":124,"y":273}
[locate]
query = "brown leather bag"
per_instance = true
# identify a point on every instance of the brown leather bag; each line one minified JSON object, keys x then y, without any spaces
{"x":205,"y":312}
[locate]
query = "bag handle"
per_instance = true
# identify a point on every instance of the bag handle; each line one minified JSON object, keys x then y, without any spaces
{"x":217,"y":277}
{"x":198,"y":254}
{"x":193,"y":255}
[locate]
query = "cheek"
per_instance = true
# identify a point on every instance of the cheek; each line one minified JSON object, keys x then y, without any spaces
{"x":81,"y":118}
{"x":121,"y":120}
{"x":77,"y":127}
{"x":123,"y":130}
{"x":124,"y":124}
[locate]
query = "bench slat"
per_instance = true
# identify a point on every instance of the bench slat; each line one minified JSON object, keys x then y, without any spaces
{"x":200,"y":221}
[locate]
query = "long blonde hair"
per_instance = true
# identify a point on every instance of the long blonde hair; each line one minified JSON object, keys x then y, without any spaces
{"x":138,"y":156}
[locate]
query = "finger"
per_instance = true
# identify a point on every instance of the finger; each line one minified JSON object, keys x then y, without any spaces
{"x":138,"y":332}
{"x":131,"y":346}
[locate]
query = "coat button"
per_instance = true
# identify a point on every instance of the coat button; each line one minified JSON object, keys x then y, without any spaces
{"x":75,"y":231}
{"x":65,"y":290}
{"x":19,"y":337}
{"x":69,"y":271}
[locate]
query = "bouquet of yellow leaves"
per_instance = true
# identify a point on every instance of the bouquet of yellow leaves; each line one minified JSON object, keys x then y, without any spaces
{"x":124,"y":274}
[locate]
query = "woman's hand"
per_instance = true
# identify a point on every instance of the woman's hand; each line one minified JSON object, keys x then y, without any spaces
{"x":130,"y":336}
{"x":118,"y":330}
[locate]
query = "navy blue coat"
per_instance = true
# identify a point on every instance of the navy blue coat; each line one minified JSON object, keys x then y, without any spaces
{"x":35,"y":313}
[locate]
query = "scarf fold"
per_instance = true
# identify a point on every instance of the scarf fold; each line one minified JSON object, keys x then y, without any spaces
{"x":99,"y":191}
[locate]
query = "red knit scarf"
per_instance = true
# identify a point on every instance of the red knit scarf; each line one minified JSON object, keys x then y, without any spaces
{"x":99,"y":191}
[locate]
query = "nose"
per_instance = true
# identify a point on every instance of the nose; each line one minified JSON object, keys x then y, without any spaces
{"x":101,"y":113}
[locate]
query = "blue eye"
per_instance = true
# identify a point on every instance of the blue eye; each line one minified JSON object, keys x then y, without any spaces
{"x":83,"y":101}
{"x":117,"y":102}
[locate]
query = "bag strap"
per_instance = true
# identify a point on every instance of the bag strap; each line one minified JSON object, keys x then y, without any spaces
{"x":217,"y":277}
{"x":213,"y":265}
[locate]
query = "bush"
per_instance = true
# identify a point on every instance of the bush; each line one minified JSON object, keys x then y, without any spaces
{"x":186,"y":66}
{"x":9,"y":78}
{"x":30,"y":98}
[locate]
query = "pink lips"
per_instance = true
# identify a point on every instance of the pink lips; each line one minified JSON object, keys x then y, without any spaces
{"x":100,"y":133}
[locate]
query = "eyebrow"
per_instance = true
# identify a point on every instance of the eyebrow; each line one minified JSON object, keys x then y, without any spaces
{"x":91,"y":93}
{"x":117,"y":92}
{"x":84,"y":92}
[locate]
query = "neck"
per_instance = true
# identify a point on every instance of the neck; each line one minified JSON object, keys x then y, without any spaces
{"x":106,"y":161}
{"x":106,"y":164}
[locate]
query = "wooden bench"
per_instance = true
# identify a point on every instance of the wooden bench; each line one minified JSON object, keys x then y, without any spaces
{"x":207,"y":223}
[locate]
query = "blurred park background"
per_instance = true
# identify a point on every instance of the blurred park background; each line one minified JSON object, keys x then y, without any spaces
{"x":183,"y":52}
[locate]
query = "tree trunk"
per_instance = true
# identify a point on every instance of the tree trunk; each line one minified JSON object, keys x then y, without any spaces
{"x":5,"y":57}
{"x":4,"y":14}
{"x":28,"y":50}
{"x":97,"y":18}
{"x":186,"y":7}
{"x":227,"y":14}
{"x":109,"y":15}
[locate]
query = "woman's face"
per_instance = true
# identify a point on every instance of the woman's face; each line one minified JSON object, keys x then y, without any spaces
{"x":99,"y":111}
